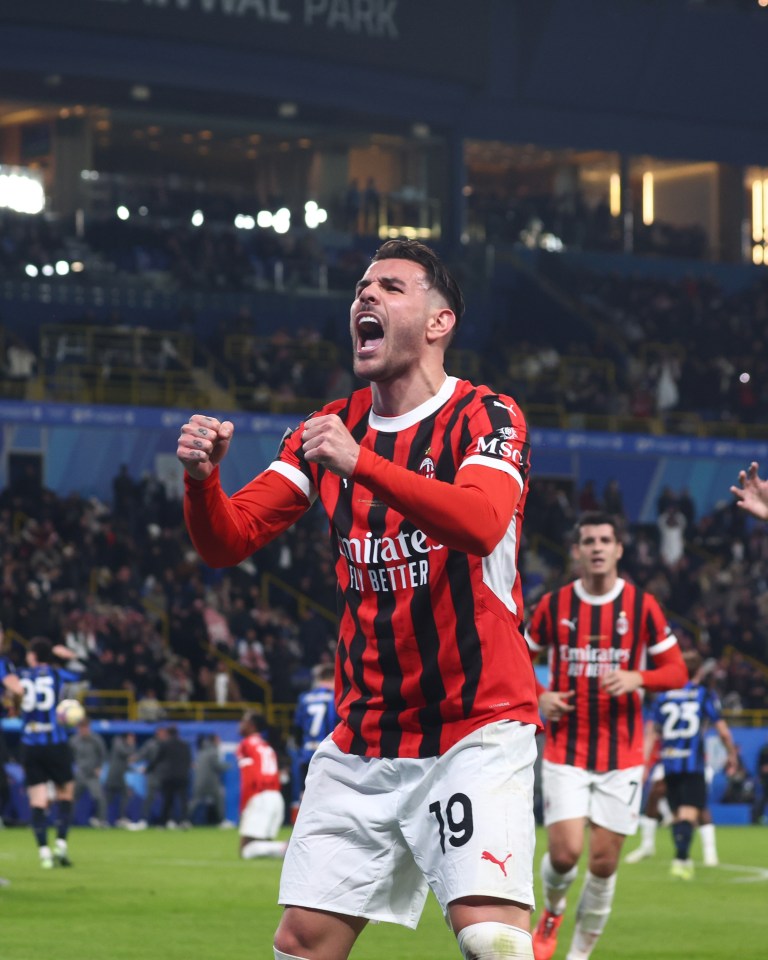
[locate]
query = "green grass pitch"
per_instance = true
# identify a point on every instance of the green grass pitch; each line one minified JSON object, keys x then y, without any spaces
{"x":171,"y":895}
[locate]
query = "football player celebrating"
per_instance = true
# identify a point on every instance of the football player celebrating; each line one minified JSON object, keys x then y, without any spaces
{"x":427,"y":779}
{"x":598,"y":631}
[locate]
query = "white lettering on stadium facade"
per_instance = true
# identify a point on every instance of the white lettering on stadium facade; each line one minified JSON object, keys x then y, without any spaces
{"x":369,"y":18}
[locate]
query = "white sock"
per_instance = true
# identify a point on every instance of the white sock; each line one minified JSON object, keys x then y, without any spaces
{"x":61,"y":845}
{"x":264,"y":848}
{"x":666,"y":811}
{"x":285,"y":956}
{"x":555,"y":884}
{"x":708,"y":841}
{"x":45,"y":852}
{"x":648,"y":828}
{"x":592,"y":914}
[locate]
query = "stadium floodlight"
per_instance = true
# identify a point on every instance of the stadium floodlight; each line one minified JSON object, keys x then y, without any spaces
{"x":198,"y":218}
{"x":31,"y":270}
{"x":78,"y":266}
{"x":264,"y":219}
{"x":244,"y":221}
{"x":123,"y":213}
{"x":281,"y":222}
{"x":314,"y":215}
{"x":47,"y":270}
{"x":21,"y":191}
{"x":62,"y":268}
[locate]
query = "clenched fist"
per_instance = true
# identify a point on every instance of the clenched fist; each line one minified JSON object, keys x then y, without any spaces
{"x":203,"y":443}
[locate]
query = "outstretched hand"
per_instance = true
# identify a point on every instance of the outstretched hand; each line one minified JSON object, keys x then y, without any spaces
{"x":752,"y":492}
{"x":203,"y":443}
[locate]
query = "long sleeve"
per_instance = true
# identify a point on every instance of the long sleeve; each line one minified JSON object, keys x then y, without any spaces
{"x":471,"y":514}
{"x":225,"y":530}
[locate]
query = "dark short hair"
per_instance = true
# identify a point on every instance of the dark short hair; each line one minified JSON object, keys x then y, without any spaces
{"x":256,"y":720}
{"x":439,"y":276}
{"x":42,"y":649}
{"x":693,"y":661}
{"x":596,"y":518}
{"x":324,"y":672}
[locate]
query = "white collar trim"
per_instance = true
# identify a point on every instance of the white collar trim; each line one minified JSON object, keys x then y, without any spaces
{"x":603,"y":598}
{"x":424,"y":410}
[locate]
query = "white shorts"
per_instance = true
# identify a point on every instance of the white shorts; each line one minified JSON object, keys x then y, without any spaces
{"x":372,"y":835}
{"x":610,"y":800}
{"x":263,"y":816}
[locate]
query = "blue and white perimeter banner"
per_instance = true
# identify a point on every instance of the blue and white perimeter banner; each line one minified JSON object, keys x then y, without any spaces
{"x":143,"y":418}
{"x":563,"y":441}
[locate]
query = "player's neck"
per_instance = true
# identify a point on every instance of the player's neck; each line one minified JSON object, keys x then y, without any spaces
{"x":597,"y":585}
{"x":393,"y":398}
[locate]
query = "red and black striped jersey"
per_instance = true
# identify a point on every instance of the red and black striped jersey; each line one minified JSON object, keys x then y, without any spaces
{"x":258,"y":766}
{"x":430,"y":642}
{"x":585,"y":637}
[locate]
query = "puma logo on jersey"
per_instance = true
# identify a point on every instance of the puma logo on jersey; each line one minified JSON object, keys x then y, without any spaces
{"x":571,"y":624}
{"x":485,"y":855}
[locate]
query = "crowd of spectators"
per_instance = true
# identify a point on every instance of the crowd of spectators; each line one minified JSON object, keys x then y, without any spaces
{"x":643,"y":347}
{"x":655,"y":347}
{"x":121,"y":585}
{"x":554,"y":221}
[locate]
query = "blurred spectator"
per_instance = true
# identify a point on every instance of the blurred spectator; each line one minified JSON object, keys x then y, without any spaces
{"x":89,"y":753}
{"x":149,"y":709}
{"x":120,"y":756}
{"x":207,"y":785}
{"x":174,"y":764}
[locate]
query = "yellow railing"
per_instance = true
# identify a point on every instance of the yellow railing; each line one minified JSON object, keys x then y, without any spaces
{"x":121,"y":705}
{"x":270,"y":584}
{"x":124,"y":386}
{"x":746,"y":718}
{"x":83,"y":343}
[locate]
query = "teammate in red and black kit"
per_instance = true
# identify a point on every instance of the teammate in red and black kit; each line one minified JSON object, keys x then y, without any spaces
{"x":262,"y":807}
{"x":597,"y":632}
{"x":427,"y":780}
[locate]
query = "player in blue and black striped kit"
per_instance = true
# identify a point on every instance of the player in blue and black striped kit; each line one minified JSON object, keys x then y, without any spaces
{"x":313,"y":721}
{"x":46,"y":751}
{"x":11,"y":683}
{"x":681,"y":718}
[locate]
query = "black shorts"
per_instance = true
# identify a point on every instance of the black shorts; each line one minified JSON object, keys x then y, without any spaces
{"x":47,"y":761}
{"x":686,"y":790}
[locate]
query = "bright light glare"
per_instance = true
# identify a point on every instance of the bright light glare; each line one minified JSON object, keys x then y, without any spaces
{"x":281,"y":222}
{"x":123,"y":213}
{"x":198,"y":218}
{"x":264,"y":219}
{"x":244,"y":221}
{"x":314,"y":215}
{"x":744,"y":377}
{"x":31,"y":270}
{"x":62,"y":268}
{"x":21,"y":192}
{"x":47,"y":270}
